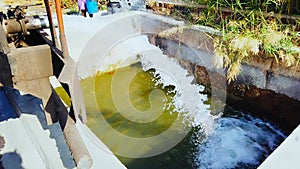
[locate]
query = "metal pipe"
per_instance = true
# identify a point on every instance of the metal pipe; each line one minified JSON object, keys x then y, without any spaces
{"x":51,"y":25}
{"x":61,"y":28}
{"x":13,"y":26}
{"x":79,"y":151}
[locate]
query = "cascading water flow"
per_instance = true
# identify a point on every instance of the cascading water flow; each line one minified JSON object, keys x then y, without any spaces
{"x":239,"y":140}
{"x":149,"y":111}
{"x":235,"y":140}
{"x":155,"y":92}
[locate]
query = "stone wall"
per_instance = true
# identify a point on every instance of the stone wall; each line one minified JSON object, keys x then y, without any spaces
{"x":264,"y":88}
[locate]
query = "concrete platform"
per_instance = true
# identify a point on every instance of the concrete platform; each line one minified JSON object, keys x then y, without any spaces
{"x":27,"y":145}
{"x":27,"y":140}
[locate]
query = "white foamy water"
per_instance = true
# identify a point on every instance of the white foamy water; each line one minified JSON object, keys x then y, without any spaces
{"x":188,"y":98}
{"x":238,"y":142}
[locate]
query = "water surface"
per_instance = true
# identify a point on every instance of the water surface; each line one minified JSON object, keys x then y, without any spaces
{"x":239,"y":140}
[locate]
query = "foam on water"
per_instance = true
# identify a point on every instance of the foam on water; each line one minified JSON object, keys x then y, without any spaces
{"x":236,"y":142}
{"x":188,"y":98}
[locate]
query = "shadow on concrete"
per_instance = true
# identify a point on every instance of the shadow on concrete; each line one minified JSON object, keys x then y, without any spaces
{"x":11,"y":160}
{"x":5,"y":71}
{"x":29,"y":104}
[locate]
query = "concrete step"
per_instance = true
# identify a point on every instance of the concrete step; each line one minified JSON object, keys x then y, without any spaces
{"x":28,"y":139}
{"x":28,"y":145}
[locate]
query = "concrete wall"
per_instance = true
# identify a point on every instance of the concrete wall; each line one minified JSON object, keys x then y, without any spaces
{"x":260,"y":80}
{"x":263,"y":87}
{"x":197,"y":48}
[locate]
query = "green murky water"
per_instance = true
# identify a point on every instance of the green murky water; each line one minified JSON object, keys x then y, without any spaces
{"x":135,"y":92}
{"x":114,"y":100}
{"x":139,"y":91}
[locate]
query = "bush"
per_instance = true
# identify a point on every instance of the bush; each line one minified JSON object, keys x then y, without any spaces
{"x":69,"y":4}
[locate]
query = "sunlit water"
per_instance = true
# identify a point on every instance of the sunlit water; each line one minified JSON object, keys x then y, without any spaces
{"x":240,"y":141}
{"x":140,"y":88}
{"x":237,"y":141}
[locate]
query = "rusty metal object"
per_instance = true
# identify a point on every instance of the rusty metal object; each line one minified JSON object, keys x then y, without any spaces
{"x":61,"y":28}
{"x":17,"y":25}
{"x":14,"y":25}
{"x":80,"y":153}
{"x":51,"y":25}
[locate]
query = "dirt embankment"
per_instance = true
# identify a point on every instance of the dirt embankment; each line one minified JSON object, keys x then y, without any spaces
{"x":37,"y":7}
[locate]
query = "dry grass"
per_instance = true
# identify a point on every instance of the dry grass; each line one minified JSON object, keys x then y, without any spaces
{"x":23,"y":2}
{"x":40,"y":9}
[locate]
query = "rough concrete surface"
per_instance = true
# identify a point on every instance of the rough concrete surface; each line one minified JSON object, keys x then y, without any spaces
{"x":28,"y":145}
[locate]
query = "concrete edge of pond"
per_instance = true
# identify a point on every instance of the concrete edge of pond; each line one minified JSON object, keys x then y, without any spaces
{"x":286,"y":155}
{"x":263,"y":87}
{"x":101,"y":155}
{"x":265,"y":75}
{"x":261,"y":72}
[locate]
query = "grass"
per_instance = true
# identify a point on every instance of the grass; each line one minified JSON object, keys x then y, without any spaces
{"x":256,"y":36}
{"x":249,"y":29}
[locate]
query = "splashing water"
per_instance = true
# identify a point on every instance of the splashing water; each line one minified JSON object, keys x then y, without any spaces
{"x":125,"y":96}
{"x":238,"y":141}
{"x":187,"y":98}
{"x":234,"y":141}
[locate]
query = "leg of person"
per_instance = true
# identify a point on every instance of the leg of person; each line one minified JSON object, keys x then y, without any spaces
{"x":83,"y":13}
{"x":82,"y":7}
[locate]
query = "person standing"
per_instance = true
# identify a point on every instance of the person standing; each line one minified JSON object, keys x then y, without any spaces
{"x":82,"y":7}
{"x":90,"y":6}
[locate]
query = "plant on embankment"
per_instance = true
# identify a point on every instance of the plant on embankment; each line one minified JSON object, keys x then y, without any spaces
{"x":249,"y":29}
{"x":255,"y":33}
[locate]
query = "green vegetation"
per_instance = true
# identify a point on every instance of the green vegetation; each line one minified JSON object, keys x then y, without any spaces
{"x":72,"y":5}
{"x":254,"y":35}
{"x":69,"y":4}
{"x":250,"y":28}
{"x":253,"y":30}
